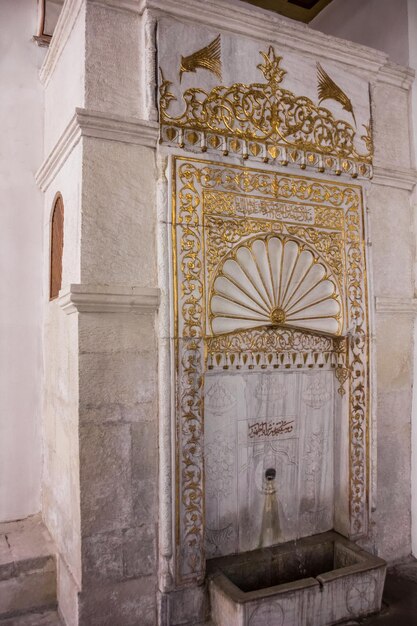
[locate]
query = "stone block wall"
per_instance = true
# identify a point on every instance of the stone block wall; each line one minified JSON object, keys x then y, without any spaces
{"x":61,"y":469}
{"x":391,"y":220}
{"x":118,"y":467}
{"x":100,"y":409}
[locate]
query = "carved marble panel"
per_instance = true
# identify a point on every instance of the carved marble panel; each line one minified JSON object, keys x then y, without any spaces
{"x":269,"y":281}
{"x":233,"y":95}
{"x":271,"y":335}
{"x":255,"y":423}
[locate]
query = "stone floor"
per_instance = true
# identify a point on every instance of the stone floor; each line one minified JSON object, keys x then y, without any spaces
{"x":27,"y":569}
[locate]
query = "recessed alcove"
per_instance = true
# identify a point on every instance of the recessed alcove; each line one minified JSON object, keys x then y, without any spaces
{"x":272,"y":381}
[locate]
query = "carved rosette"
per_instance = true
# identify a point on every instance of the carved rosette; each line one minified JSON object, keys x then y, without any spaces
{"x":318,"y":217}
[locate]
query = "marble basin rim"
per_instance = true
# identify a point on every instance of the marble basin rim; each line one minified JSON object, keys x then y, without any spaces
{"x":314,"y":581}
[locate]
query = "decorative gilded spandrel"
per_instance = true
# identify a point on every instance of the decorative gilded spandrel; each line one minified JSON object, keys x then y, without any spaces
{"x":265,"y":121}
{"x":219,"y":207}
{"x":224,"y":234}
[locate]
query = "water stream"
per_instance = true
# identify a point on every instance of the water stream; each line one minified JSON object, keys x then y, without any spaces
{"x":270,"y":528}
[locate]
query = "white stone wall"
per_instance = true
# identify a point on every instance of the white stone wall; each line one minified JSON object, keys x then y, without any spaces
{"x":21,"y":121}
{"x":63,"y":73}
{"x":390,"y":27}
{"x":100,"y":420}
{"x":60,"y":477}
{"x":117,"y":403}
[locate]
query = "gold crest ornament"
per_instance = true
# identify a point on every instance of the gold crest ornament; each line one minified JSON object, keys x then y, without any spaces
{"x":208,"y":58}
{"x":328,"y":90}
{"x":263,"y":120}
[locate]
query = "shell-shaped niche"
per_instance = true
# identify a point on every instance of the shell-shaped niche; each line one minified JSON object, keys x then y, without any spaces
{"x":275,"y":282}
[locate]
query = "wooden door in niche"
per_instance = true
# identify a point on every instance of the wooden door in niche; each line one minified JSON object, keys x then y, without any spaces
{"x":57,"y":247}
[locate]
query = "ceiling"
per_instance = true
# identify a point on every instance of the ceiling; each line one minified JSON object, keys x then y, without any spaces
{"x":301,"y":10}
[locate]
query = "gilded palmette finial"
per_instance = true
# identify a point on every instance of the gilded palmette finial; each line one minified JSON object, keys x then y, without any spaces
{"x":208,"y":58}
{"x":328,"y":90}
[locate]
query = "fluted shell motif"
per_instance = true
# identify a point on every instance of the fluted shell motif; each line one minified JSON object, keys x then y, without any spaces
{"x":275,"y":282}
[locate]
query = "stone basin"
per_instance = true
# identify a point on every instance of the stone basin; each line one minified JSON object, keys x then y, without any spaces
{"x":315,"y":581}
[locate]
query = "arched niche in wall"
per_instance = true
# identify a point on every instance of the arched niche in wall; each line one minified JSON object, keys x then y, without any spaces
{"x":57,"y":247}
{"x":269,"y":275}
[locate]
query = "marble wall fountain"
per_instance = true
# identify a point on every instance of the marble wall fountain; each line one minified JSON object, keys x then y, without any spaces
{"x":271,"y":345}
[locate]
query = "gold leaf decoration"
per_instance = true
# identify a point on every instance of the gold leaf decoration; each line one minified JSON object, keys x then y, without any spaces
{"x":214,"y":141}
{"x":328,"y":90}
{"x":271,"y":70}
{"x":342,"y":375}
{"x":235,"y":145}
{"x":273,"y":151}
{"x":265,"y":113}
{"x":255,"y":149}
{"x":208,"y":58}
{"x":367,"y":137}
{"x":171,"y":133}
{"x":192,"y":137}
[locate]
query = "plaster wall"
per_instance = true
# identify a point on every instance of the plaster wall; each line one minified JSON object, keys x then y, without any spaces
{"x":21,"y":115}
{"x":64,"y":88}
{"x":64,"y":91}
{"x":60,"y":493}
{"x":381,"y":24}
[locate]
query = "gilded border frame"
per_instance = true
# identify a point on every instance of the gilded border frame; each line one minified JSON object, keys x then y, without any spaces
{"x":190,"y":352}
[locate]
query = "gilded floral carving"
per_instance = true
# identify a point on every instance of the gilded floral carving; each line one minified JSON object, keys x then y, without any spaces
{"x":208,"y":224}
{"x":260,"y":114}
